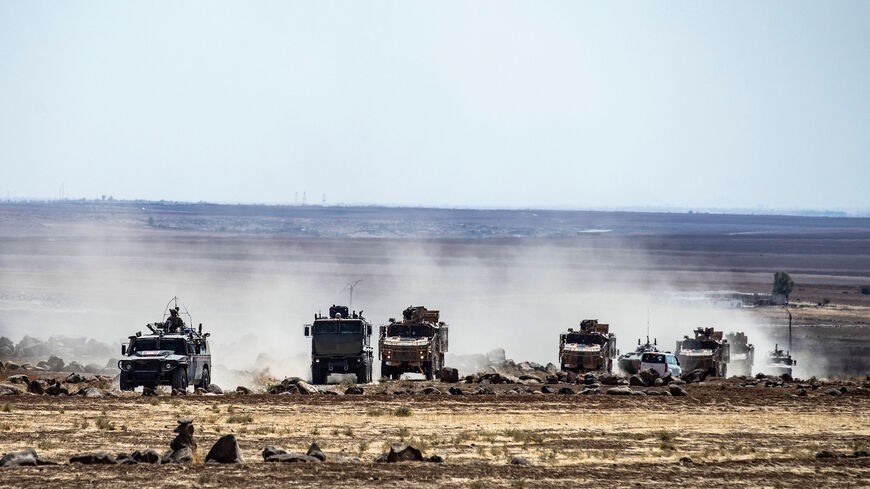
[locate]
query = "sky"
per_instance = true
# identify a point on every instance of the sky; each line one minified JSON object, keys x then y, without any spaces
{"x":462,"y":104}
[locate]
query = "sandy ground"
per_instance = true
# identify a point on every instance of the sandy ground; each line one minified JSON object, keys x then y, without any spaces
{"x":735,"y":436}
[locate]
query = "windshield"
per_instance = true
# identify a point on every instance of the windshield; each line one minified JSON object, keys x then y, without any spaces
{"x":652,"y":358}
{"x":693,"y":344}
{"x":176,"y":345}
{"x":337,"y":327}
{"x":585,"y":339}
{"x":399,"y":329}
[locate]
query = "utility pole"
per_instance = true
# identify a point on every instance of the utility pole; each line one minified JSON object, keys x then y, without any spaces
{"x":349,"y":287}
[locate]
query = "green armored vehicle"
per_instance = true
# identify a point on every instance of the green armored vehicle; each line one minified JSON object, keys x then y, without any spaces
{"x":340,"y":344}
{"x":416,"y":344}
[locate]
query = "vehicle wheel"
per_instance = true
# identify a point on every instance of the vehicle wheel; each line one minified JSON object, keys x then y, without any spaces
{"x":427,"y":370}
{"x":206,"y":380}
{"x":362,"y":376}
{"x":125,"y":384}
{"x":179,"y":379}
{"x":317,"y":376}
{"x":386,"y":371}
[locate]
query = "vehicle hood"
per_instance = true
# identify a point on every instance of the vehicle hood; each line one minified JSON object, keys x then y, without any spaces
{"x":580,"y":348}
{"x":406,"y":341}
{"x":161,"y":355}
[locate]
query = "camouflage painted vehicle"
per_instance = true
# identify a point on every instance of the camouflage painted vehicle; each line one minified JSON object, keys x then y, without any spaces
{"x":592,"y":347}
{"x":416,"y":344}
{"x":173,"y":354}
{"x":629,"y":363}
{"x":742,"y":354}
{"x":706,"y":351}
{"x":340,"y":344}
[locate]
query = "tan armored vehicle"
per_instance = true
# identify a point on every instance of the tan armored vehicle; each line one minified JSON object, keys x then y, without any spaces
{"x":706,"y":351}
{"x":416,"y":344}
{"x":593,"y":347}
{"x":742,"y":354}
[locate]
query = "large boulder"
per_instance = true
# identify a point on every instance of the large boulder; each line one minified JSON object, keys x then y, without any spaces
{"x":566,"y":390}
{"x":23,"y":458}
{"x":619,"y":391}
{"x":591,"y":391}
{"x":404,"y":453}
{"x":354,"y":390}
{"x":271,"y":450}
{"x":35,"y":387}
{"x":429,"y":391}
{"x":608,"y":379}
{"x":96,"y":458}
{"x":149,"y":456}
{"x":93,"y":392}
{"x":676,"y":390}
{"x":9,"y":390}
{"x":520,"y":461}
{"x":185,"y":436}
{"x":449,"y":375}
{"x":183,"y":455}
{"x":77,"y":378}
{"x":636,"y":381}
{"x":455,"y":391}
{"x":214,"y":389}
{"x":649,"y":376}
{"x":18,"y":379}
{"x":225,"y":451}
{"x":315,"y":451}
{"x":697,"y":375}
{"x":55,"y":389}
{"x":482,"y":390}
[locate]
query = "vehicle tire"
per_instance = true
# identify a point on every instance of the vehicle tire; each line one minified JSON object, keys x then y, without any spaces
{"x":386,"y":371}
{"x":179,"y":379}
{"x":427,"y":370}
{"x":206,"y":379}
{"x":125,"y":384}
{"x":317,"y":376}
{"x":362,"y":374}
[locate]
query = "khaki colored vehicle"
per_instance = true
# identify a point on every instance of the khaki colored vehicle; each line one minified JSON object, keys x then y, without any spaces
{"x":706,"y":351}
{"x":591,"y":348}
{"x":416,"y":344}
{"x":742,"y":354}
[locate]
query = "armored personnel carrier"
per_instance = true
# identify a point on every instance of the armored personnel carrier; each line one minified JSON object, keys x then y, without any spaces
{"x":340,"y":344}
{"x":593,"y":347}
{"x":416,"y":344}
{"x":742,"y":354}
{"x":706,"y":351}
{"x":172,"y":353}
{"x":629,"y":363}
{"x":778,"y":361}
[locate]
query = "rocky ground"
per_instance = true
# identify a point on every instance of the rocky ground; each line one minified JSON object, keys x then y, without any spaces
{"x":486,"y":430}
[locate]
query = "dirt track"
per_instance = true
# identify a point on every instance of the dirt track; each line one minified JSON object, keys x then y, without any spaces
{"x":734,"y":436}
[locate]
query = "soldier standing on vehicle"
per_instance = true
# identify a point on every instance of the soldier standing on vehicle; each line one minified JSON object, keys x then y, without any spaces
{"x":174,"y":323}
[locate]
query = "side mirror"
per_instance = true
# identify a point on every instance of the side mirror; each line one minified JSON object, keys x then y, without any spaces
{"x":307,"y":331}
{"x":200,"y":329}
{"x":123,"y":350}
{"x":369,"y":329}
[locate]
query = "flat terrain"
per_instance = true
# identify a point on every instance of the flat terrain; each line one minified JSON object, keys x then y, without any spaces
{"x":735,"y":436}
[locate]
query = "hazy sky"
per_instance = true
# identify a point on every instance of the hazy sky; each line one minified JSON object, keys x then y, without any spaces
{"x":570,"y":104}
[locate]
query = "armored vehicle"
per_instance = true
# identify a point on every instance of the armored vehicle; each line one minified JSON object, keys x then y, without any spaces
{"x":340,"y":344}
{"x":629,"y":363}
{"x":742,"y":354}
{"x":416,"y":344}
{"x":779,"y":362}
{"x":593,"y":347}
{"x":172,"y":353}
{"x":706,"y":351}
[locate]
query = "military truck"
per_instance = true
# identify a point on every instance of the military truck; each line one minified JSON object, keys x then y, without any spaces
{"x":779,"y":361}
{"x":742,"y":354}
{"x":172,"y":353}
{"x":592,"y":347}
{"x":416,"y":344}
{"x":340,"y":344}
{"x":707,"y":351}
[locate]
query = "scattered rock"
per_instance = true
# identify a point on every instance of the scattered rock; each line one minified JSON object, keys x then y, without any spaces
{"x":619,"y":391}
{"x":292,"y":458}
{"x":449,"y":375}
{"x":225,"y":451}
{"x":566,"y":390}
{"x":676,"y":390}
{"x":828,"y":454}
{"x":686,"y":461}
{"x":97,"y":458}
{"x":608,"y":379}
{"x":18,"y":379}
{"x":55,"y":389}
{"x":354,"y":390}
{"x":183,"y":455}
{"x":697,"y":375}
{"x":270,"y":450}
{"x":185,"y":435}
{"x":242,"y":390}
{"x":591,"y":391}
{"x":35,"y":387}
{"x":93,"y":392}
{"x":802,"y":392}
{"x":636,"y":381}
{"x":149,"y":391}
{"x":9,"y":390}
{"x":315,"y":451}
{"x":482,"y":390}
{"x":546,"y":389}
{"x":833,"y":392}
{"x":658,"y":382}
{"x":215,"y":389}
{"x":23,"y":458}
{"x":649,"y":376}
{"x":77,"y":378}
{"x":520,"y":461}
{"x":149,"y":456}
{"x":56,"y":364}
{"x":455,"y":391}
{"x":403,"y":453}
{"x":430,"y":391}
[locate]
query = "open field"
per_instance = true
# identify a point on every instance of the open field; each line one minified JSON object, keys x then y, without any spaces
{"x":735,"y":436}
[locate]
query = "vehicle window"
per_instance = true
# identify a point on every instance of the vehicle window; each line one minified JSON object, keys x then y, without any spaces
{"x":409,"y":330}
{"x":325,"y":328}
{"x":652,"y":358}
{"x":177,"y":346}
{"x":350,"y":327}
{"x":672,"y":360}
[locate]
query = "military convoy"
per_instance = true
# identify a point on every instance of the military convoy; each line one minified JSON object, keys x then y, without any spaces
{"x":172,"y":354}
{"x":416,"y":344}
{"x":742,"y":354}
{"x":340,"y":344}
{"x":706,"y":351}
{"x":592,"y":347}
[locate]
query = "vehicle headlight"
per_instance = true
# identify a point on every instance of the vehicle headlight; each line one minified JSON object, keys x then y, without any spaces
{"x":316,"y":360}
{"x":128,"y":366}
{"x":169,"y":366}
